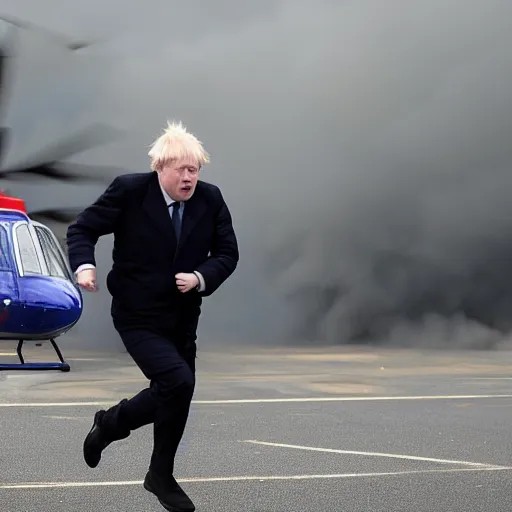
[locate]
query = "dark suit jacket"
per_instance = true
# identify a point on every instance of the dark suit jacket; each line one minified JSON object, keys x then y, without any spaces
{"x":146,"y":256}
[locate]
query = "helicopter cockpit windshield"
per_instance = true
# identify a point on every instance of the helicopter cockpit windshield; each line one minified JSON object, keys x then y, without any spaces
{"x":55,"y":261}
{"x":38,"y":252}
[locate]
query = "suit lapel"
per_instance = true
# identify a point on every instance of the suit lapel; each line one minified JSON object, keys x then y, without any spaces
{"x":195,"y":208}
{"x":155,"y":207}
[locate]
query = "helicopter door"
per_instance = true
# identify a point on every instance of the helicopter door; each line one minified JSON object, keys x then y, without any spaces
{"x":4,"y":251}
{"x":7,"y":276}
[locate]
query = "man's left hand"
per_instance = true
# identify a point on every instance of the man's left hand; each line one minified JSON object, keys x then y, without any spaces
{"x":186,"y":282}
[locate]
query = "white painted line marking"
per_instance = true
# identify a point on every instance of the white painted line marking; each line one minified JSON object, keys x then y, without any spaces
{"x":374,"y":454}
{"x":269,"y":400}
{"x":48,"y":485}
{"x":74,"y":418}
{"x":348,"y":399}
{"x":486,"y":378}
{"x":58,"y":404}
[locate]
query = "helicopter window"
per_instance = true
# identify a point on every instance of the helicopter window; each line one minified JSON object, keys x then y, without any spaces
{"x":4,"y":248}
{"x":52,"y":255}
{"x":28,"y":255}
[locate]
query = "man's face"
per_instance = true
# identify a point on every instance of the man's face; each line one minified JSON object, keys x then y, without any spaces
{"x":179,"y":178}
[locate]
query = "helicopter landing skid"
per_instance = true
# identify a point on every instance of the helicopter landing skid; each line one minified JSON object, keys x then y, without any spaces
{"x":22,"y":365}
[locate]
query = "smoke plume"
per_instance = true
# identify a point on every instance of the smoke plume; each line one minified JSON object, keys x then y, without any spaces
{"x":363,"y":148}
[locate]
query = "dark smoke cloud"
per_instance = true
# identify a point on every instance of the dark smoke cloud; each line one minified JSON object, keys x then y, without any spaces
{"x":363,"y":147}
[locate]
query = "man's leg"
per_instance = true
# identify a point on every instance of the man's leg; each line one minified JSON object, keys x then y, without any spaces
{"x":169,"y":424}
{"x":168,"y":432}
{"x":166,"y":402}
{"x":143,"y":407}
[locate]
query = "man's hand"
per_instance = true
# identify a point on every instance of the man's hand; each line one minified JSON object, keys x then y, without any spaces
{"x":87,"y":280}
{"x":186,"y":282}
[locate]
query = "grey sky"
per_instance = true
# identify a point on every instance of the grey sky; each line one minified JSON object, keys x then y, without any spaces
{"x":353,"y":120}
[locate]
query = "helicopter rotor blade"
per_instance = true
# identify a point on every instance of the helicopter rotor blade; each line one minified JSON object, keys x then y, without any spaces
{"x":63,"y":40}
{"x":60,"y":215}
{"x":3,"y":66}
{"x":5,"y":55}
{"x":66,"y":172}
{"x":47,"y":163}
{"x":49,"y":157}
{"x":4,"y":141}
{"x":55,"y":172}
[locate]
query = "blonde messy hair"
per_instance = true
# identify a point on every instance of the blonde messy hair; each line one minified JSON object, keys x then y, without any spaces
{"x":174,"y":144}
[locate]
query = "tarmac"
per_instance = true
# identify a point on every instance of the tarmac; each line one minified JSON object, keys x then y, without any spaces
{"x":272,"y":429}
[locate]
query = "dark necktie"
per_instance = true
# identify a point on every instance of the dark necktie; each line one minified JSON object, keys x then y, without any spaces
{"x":176,"y":220}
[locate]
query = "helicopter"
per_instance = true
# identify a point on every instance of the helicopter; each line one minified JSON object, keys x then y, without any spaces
{"x":39,"y":297}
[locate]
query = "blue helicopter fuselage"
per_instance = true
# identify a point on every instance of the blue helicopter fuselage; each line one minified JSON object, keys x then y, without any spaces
{"x":38,"y":297}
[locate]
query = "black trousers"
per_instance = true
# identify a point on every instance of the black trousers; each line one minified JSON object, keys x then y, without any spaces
{"x":169,"y":365}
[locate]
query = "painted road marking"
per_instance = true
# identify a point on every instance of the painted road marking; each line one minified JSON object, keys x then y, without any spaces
{"x":375,"y":454}
{"x":267,"y":400}
{"x":48,"y":485}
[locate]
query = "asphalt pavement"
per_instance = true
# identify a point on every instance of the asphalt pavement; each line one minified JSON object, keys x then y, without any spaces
{"x":272,"y":430}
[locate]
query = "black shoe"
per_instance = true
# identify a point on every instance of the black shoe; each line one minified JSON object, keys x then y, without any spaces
{"x":95,"y":442}
{"x":172,"y":497}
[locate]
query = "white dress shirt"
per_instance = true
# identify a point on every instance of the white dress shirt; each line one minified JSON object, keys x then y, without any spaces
{"x":202,"y":286}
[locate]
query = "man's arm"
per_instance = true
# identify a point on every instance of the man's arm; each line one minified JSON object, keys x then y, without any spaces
{"x":97,"y":220}
{"x":224,"y":254}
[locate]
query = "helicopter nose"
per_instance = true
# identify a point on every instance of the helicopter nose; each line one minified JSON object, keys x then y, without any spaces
{"x":37,"y":307}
